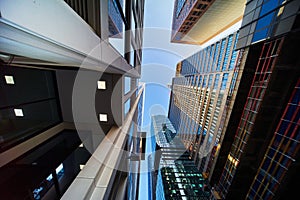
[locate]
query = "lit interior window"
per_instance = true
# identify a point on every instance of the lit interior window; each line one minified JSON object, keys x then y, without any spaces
{"x":19,"y":112}
{"x":59,"y":168}
{"x":49,"y":178}
{"x":103,"y":117}
{"x":233,"y":160}
{"x":101,"y":85}
{"x":9,"y":80}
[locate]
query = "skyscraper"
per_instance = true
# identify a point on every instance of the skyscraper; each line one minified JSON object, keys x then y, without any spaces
{"x":258,"y":155}
{"x":174,"y":175}
{"x":71,"y":101}
{"x":201,"y":99}
{"x":261,"y":155}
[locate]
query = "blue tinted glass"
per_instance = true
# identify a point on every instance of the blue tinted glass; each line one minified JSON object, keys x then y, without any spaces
{"x":180,"y":4}
{"x":204,"y":81}
{"x":290,"y":112}
{"x":126,"y":107}
{"x":227,"y":52}
{"x":200,"y":79}
{"x":216,"y":52}
{"x":296,"y":97}
{"x":262,"y":27}
{"x":212,"y":57}
{"x":224,"y":81}
{"x":268,"y":6}
{"x":210,"y":80}
{"x":232,"y":84}
{"x":232,"y":61}
{"x":260,"y":35}
{"x":216,"y":81}
{"x":221,"y":54}
{"x":204,"y":60}
{"x":127,"y":84}
{"x":192,"y":80}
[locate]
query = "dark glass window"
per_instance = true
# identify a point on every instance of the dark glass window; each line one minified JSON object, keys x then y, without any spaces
{"x":28,"y":106}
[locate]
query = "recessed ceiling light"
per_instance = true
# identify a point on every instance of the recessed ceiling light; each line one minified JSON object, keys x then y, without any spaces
{"x":81,"y":166}
{"x":9,"y":79}
{"x":103,"y":117}
{"x":19,"y":112}
{"x":101,"y":85}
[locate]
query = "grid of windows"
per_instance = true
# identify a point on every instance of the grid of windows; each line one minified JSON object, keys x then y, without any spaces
{"x":265,"y":19}
{"x":179,"y":6}
{"x":115,"y":25}
{"x":197,"y":107}
{"x":260,"y":82}
{"x":281,"y":151}
{"x":211,"y":59}
{"x":221,"y":55}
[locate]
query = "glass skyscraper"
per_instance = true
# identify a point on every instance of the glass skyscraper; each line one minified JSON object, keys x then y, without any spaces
{"x":201,"y":96}
{"x":251,"y":151}
{"x":175,"y":175}
{"x":263,"y":154}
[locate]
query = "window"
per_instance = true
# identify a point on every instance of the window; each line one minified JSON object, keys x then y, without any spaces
{"x":103,"y":117}
{"x":262,"y":27}
{"x":221,"y":54}
{"x":216,"y":81}
{"x":204,"y":81}
{"x":215,"y":55}
{"x":224,"y":81}
{"x":9,"y":80}
{"x":127,"y":84}
{"x":101,"y":85}
{"x":228,"y":50}
{"x":180,"y":4}
{"x":126,"y":107}
{"x":210,"y":80}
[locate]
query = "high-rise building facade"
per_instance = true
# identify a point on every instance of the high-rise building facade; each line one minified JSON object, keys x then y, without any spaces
{"x":261,"y":153}
{"x":71,"y":102}
{"x":174,"y":175}
{"x":258,"y":155}
{"x":201,"y":98}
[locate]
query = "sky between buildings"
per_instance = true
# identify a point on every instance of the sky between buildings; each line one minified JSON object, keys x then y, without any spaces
{"x":159,"y":64}
{"x":160,"y":57}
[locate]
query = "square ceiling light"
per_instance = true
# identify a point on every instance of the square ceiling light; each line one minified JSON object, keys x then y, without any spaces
{"x":9,"y":80}
{"x":19,"y":112}
{"x":101,"y":85}
{"x":103,"y":117}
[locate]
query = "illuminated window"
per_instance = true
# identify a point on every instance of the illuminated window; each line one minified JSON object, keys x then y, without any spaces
{"x":9,"y":80}
{"x":103,"y":117}
{"x":19,"y":112}
{"x":101,"y":85}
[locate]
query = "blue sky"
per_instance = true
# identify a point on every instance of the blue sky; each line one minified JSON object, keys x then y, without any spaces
{"x":158,"y":67}
{"x":160,"y":57}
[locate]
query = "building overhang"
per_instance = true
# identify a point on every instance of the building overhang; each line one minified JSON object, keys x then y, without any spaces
{"x":219,"y":16}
